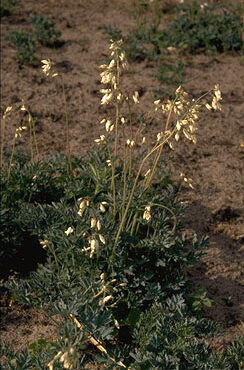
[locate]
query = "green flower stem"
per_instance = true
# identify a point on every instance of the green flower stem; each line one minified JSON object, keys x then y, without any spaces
{"x":2,"y":140}
{"x":159,"y":153}
{"x":124,"y":179}
{"x":12,"y":156}
{"x":117,"y":108}
{"x":67,"y":127}
{"x":123,"y":219}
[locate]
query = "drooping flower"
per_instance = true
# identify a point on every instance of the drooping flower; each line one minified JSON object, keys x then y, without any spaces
{"x":147,"y":213}
{"x":69,"y":231}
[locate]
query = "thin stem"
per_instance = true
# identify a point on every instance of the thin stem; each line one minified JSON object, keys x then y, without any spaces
{"x":124,"y":178}
{"x":113,"y":188}
{"x":158,"y":155}
{"x":112,"y":181}
{"x":31,"y":145}
{"x":2,"y":140}
{"x":34,"y":136}
{"x":11,"y":157}
{"x":117,"y":107}
{"x":170,"y":211}
{"x":123,"y":219}
{"x":67,"y":127}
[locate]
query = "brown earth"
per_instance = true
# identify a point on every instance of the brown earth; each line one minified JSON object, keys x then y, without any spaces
{"x":215,"y":163}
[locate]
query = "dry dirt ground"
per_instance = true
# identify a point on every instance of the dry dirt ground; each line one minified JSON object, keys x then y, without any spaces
{"x":215,"y":163}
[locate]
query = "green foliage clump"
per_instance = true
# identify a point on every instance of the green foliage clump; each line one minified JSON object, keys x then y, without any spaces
{"x":6,"y":7}
{"x":138,"y":306}
{"x":24,"y":44}
{"x":44,"y":28}
{"x":205,"y":27}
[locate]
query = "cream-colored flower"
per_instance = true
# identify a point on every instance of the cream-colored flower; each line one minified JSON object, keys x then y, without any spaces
{"x":208,"y":106}
{"x":93,"y":222}
{"x":109,"y":126}
{"x":122,"y":56}
{"x":130,"y":143}
{"x":19,"y":130}
{"x":100,"y":139}
{"x":94,"y":245}
{"x":111,"y":64}
{"x":83,"y":204}
{"x":99,"y":225}
{"x":157,"y":104}
{"x":69,"y":231}
{"x":103,"y":121}
{"x":63,"y":357}
{"x":159,"y":136}
{"x":215,"y":104}
{"x":147,"y":173}
{"x":136,"y":97}
{"x":44,"y":243}
{"x":105,"y":300}
{"x":106,"y":98}
{"x":147,"y":213}
{"x":177,"y":136}
{"x":7,"y":111}
{"x":102,"y":239}
{"x":47,"y":64}
{"x":102,"y":208}
{"x":106,"y":77}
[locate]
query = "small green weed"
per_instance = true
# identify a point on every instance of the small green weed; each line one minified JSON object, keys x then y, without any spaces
{"x":171,"y":74}
{"x":24,"y":44}
{"x":44,"y":29}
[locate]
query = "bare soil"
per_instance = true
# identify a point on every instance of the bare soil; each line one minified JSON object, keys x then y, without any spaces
{"x":216,"y":163}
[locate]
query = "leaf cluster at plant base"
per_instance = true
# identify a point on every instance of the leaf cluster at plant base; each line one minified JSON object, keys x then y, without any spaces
{"x":140,"y":308}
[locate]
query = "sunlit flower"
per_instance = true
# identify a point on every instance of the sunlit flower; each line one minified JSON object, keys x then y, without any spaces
{"x":19,"y":130}
{"x":105,"y":300}
{"x":99,"y":226}
{"x":159,"y":136}
{"x":106,"y":77}
{"x":83,"y":204}
{"x":102,"y":208}
{"x":177,"y":136}
{"x":208,"y":106}
{"x":44,"y":243}
{"x":102,"y":239}
{"x":147,"y":215}
{"x":93,"y":222}
{"x":47,"y":64}
{"x":106,"y":98}
{"x":94,"y":245}
{"x":100,"y":139}
{"x":7,"y":111}
{"x":130,"y":143}
{"x":69,"y":231}
{"x":147,"y":173}
{"x":135,"y":97}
